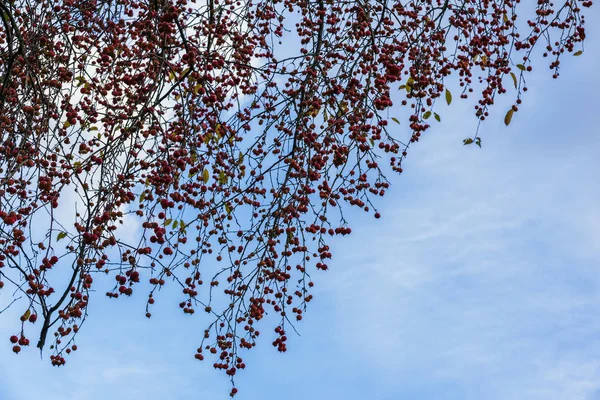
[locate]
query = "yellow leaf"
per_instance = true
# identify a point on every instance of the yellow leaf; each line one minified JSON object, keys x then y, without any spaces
{"x":395,"y":120}
{"x":219,"y":131}
{"x":185,"y":71}
{"x":521,"y":67}
{"x":578,"y":53}
{"x":197,"y":88}
{"x":205,"y":176}
{"x":427,"y":114}
{"x":27,"y":315}
{"x":314,"y":111}
{"x":508,"y":116}
{"x":514,"y":78}
{"x":228,"y":208}
{"x":409,"y":83}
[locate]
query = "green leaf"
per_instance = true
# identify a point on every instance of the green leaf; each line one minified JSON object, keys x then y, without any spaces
{"x":396,"y":120}
{"x":437,"y":117}
{"x":427,"y":115}
{"x":409,"y":83}
{"x":521,"y":67}
{"x":222,"y":178}
{"x":448,"y":97}
{"x":467,"y":141}
{"x":61,"y":235}
{"x":227,"y":208}
{"x":578,"y":53}
{"x":508,"y":117}
{"x":514,"y":78}
{"x":478,"y":142}
{"x":205,"y":175}
{"x":168,"y":222}
{"x":175,"y":224}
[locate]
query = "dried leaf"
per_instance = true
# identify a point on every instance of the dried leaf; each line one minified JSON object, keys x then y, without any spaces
{"x":508,"y":117}
{"x":514,"y":78}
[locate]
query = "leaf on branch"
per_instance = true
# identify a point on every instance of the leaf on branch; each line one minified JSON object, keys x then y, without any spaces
{"x":205,"y":175}
{"x":448,"y":97}
{"x":219,"y":131}
{"x":508,"y":117}
{"x":222,"y":178}
{"x":437,"y":117}
{"x":467,"y":141}
{"x":396,"y":120}
{"x":578,"y":53}
{"x":427,"y":115}
{"x":61,"y":235}
{"x":409,"y":83}
{"x":521,"y":67}
{"x":514,"y":78}
{"x":478,"y":142}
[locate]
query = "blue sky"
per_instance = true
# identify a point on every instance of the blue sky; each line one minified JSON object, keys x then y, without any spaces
{"x":480,"y":281}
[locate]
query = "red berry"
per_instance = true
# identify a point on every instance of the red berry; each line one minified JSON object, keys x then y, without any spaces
{"x":17,"y":349}
{"x":14,"y":339}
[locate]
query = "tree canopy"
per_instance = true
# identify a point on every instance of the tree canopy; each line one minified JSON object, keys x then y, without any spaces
{"x":215,"y":145}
